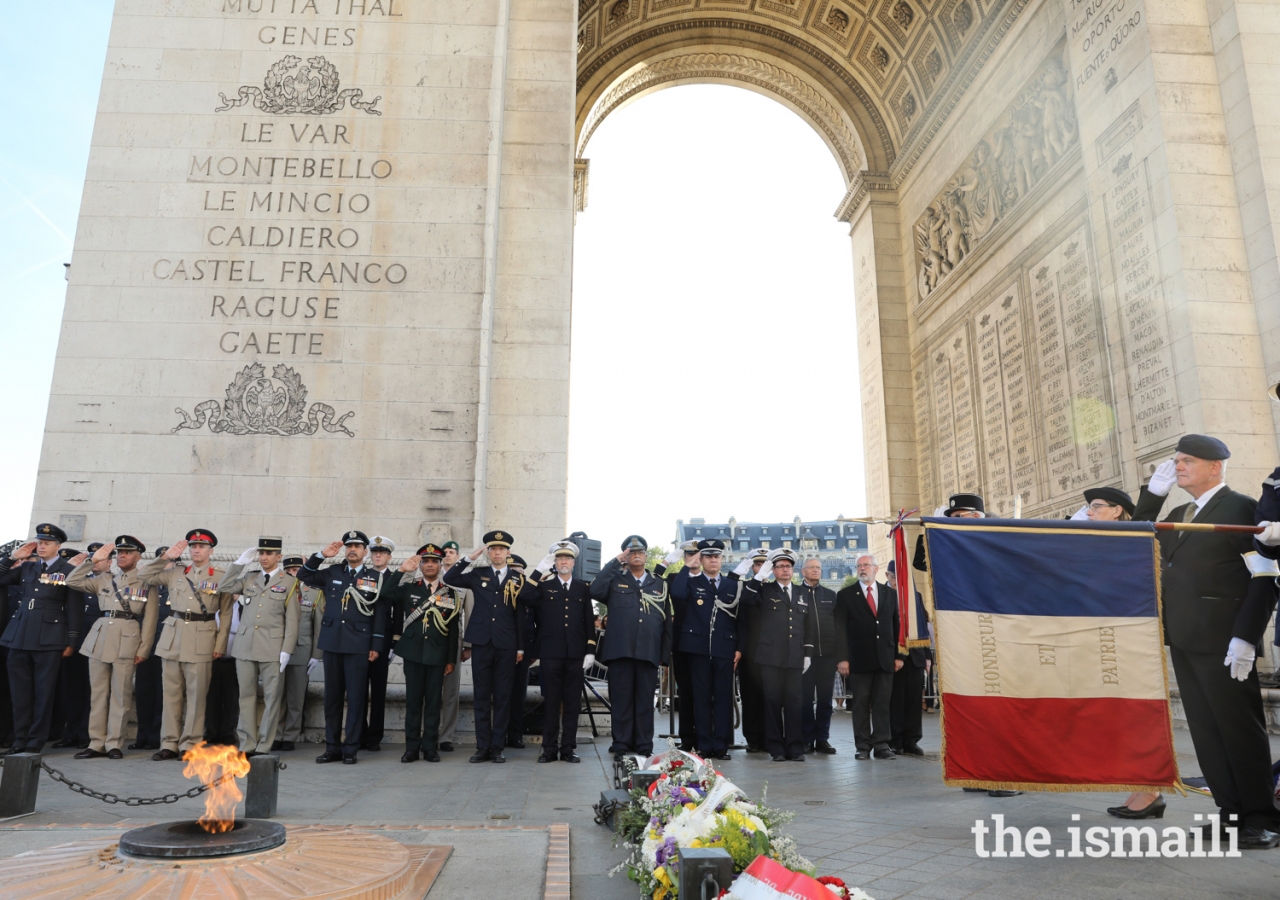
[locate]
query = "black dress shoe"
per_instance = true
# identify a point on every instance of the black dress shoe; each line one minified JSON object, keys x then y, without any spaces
{"x":1252,"y":838}
{"x":862,"y":754}
{"x":83,"y":745}
{"x":285,"y":746}
{"x":809,"y":747}
{"x":752,"y":748}
{"x":13,"y":751}
{"x":777,"y":759}
{"x":883,"y":753}
{"x":912,"y":750}
{"x":162,"y":755}
{"x":432,"y":756}
{"x":1003,"y":793}
{"x":250,"y":754}
{"x":571,"y":757}
{"x":799,"y":757}
{"x":517,"y":743}
{"x":546,"y":757}
{"x":89,"y":754}
{"x":138,"y":745}
{"x":115,"y":753}
{"x":823,"y":747}
{"x":277,"y":746}
{"x":349,"y":759}
{"x":372,"y":748}
{"x":1153,"y":810}
{"x":329,"y":756}
{"x":446,"y":746}
{"x":497,"y":757}
{"x":64,"y":743}
{"x":723,"y":754}
{"x":409,"y":756}
{"x":480,"y":756}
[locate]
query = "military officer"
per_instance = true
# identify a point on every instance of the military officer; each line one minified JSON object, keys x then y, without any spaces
{"x":304,"y":659}
{"x":710,"y":637}
{"x":749,"y":673}
{"x":265,"y":637}
{"x":1219,"y":593}
{"x":380,"y":550}
{"x":688,"y":731}
{"x":148,"y":684}
{"x":453,"y":680}
{"x":118,"y":641}
{"x":71,"y":705}
{"x":353,"y":633}
{"x":566,"y":641}
{"x":783,"y":651}
{"x":194,"y":635}
{"x":41,"y":631}
{"x":428,"y":611}
{"x":639,"y":618}
{"x":496,"y":638}
{"x":520,"y":682}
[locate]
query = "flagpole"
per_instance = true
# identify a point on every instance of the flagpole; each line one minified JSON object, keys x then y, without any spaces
{"x":1159,"y":526}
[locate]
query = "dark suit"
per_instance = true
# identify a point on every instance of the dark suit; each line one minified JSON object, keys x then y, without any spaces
{"x":347,"y":636}
{"x":872,"y":643}
{"x":906,"y":709}
{"x":566,"y":632}
{"x":47,"y":621}
{"x":520,"y":680}
{"x":818,"y":684}
{"x":639,"y":625}
{"x":709,"y":638}
{"x":684,"y":685}
{"x":1209,"y":597}
{"x":784,"y":638}
{"x":496,"y":634}
{"x":380,"y":668}
{"x":749,"y":678}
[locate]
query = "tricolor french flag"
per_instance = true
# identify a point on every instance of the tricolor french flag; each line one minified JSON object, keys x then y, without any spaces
{"x":1050,"y":654}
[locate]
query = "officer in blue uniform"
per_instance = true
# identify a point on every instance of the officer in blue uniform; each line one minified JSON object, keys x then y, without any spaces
{"x":71,"y":705}
{"x":520,"y":682}
{"x":638,"y":622}
{"x":709,"y":635}
{"x":495,"y":635}
{"x":353,"y":633}
{"x":688,"y":732}
{"x":566,"y":635}
{"x":42,"y":630}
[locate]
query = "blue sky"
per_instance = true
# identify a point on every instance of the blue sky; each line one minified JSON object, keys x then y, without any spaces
{"x":713,"y":295}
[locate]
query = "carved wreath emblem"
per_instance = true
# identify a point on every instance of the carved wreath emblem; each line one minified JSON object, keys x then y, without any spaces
{"x":257,"y":404}
{"x":293,"y":88}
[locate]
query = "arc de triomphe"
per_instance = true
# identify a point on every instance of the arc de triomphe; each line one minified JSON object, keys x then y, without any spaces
{"x":322,"y":271}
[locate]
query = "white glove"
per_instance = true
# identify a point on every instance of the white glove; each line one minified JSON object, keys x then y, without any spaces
{"x":1163,"y":479}
{"x":765,"y":571}
{"x":1270,"y":537}
{"x":673,"y":557}
{"x":939,"y":512}
{"x":284,"y":661}
{"x":247,"y":556}
{"x":312,"y":665}
{"x":806,"y":665}
{"x":744,"y":567}
{"x":391,"y":654}
{"x":1240,"y":657}
{"x":548,"y":563}
{"x":588,"y":661}
{"x":1081,"y":514}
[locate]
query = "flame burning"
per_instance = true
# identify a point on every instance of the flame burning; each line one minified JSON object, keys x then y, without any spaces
{"x":209,"y":764}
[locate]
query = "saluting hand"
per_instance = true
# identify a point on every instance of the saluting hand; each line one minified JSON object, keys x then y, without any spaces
{"x":330,"y":551}
{"x":23,"y":552}
{"x":843,"y":667}
{"x":80,"y":557}
{"x":103,"y":553}
{"x":410,"y":564}
{"x":175,"y":551}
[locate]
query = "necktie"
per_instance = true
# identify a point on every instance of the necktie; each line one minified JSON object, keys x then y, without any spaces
{"x":871,"y":599}
{"x":266,"y":579}
{"x":1190,"y":512}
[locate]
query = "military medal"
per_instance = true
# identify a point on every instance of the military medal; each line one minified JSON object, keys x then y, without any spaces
{"x":208,"y":587}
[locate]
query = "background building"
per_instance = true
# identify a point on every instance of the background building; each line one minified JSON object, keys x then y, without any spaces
{"x":837,"y":542}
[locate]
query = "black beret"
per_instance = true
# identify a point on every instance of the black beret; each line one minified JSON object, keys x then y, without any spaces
{"x":129,"y":542}
{"x":498,"y":539}
{"x":1201,"y":446}
{"x":355,"y":537}
{"x":964,"y":503}
{"x":290,"y":561}
{"x":202,"y":536}
{"x":430,"y":551}
{"x":1114,"y":496}
{"x":635,"y":542}
{"x":48,"y":532}
{"x":711,"y":547}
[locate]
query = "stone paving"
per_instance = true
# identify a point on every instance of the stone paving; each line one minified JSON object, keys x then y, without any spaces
{"x":891,"y":827}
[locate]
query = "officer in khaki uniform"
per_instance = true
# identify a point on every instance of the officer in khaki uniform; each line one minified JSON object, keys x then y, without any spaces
{"x":194,"y":636}
{"x":304,"y":659}
{"x":119,"y":640}
{"x":264,"y":641}
{"x":426,"y":616}
{"x":453,"y":680}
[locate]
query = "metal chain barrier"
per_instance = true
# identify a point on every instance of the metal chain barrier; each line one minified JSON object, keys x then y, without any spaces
{"x":130,"y":801}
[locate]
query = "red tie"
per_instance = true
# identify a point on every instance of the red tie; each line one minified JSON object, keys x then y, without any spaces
{"x":871,"y":599}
